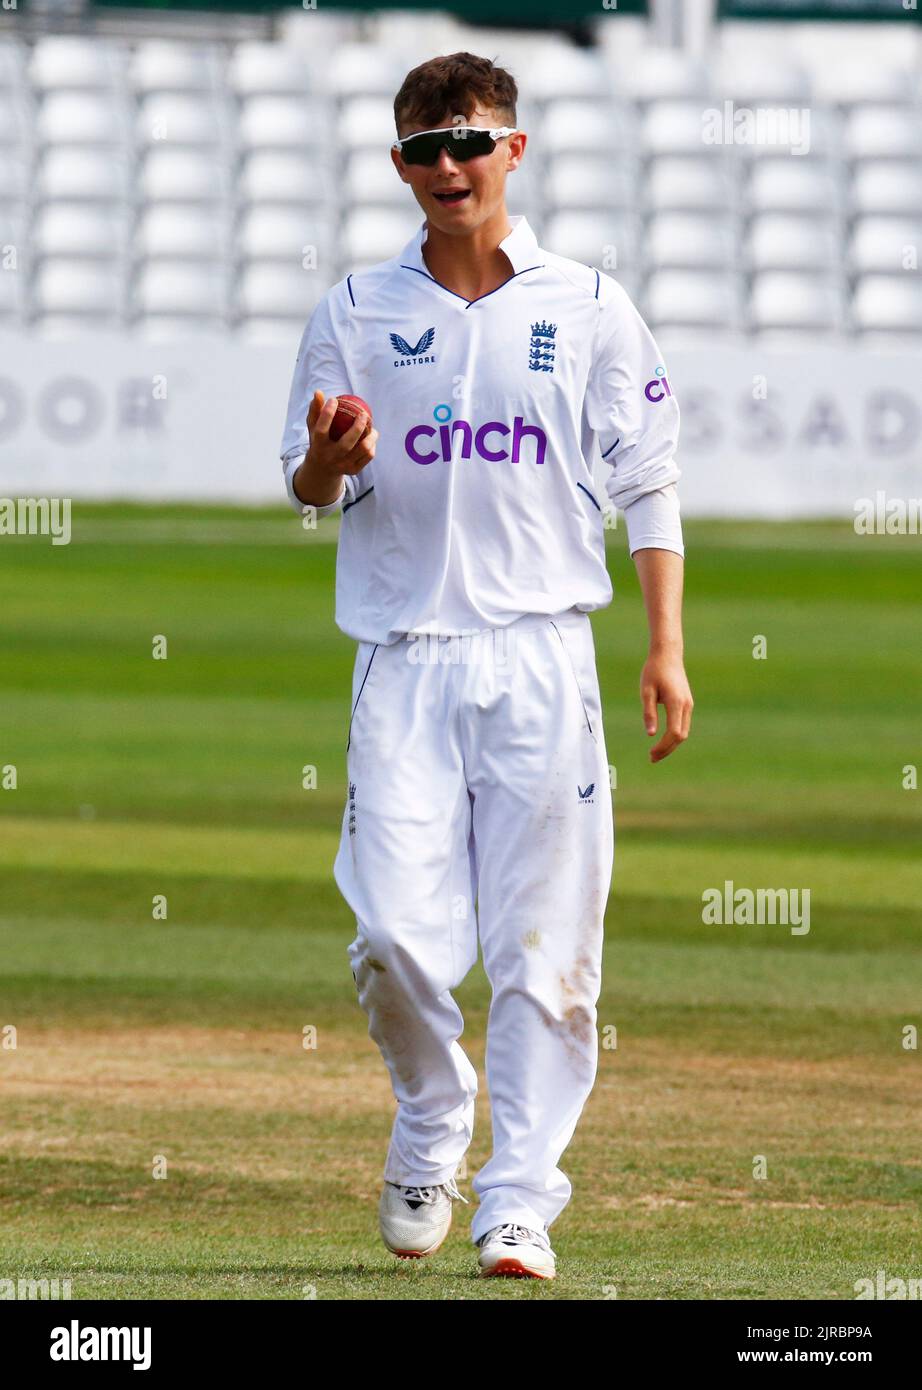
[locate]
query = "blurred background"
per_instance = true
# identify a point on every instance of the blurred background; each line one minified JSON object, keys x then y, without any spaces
{"x":179,"y":184}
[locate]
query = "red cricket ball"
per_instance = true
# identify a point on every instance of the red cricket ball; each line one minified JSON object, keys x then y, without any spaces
{"x":348,"y":409}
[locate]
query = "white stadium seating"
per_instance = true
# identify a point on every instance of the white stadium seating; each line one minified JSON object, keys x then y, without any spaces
{"x":80,"y":118}
{"x":888,"y":302}
{"x":786,"y":300}
{"x":608,"y":241}
{"x":80,"y":230}
{"x":181,"y":289}
{"x":686,"y":185}
{"x":175,"y":231}
{"x":794,"y":185}
{"x":780,"y":241}
{"x":886,"y":245}
{"x":82,"y":174}
{"x":690,"y":241}
{"x":579,"y":183}
{"x":280,"y":176}
{"x":71,"y":63}
{"x":164,"y":66}
{"x":170,"y":185}
{"x":693,"y":299}
{"x":268,"y":69}
{"x":65,"y":286}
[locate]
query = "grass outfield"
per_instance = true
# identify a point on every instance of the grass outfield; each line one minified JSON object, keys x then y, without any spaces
{"x":183,"y":1038}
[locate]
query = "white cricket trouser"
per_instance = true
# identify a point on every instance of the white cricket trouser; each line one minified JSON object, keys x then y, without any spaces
{"x":478,"y":771}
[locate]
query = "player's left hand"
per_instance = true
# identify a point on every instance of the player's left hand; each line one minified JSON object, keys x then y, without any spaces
{"x":663,"y":682}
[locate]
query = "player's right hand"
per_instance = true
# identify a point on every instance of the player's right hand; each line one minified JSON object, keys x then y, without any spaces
{"x":334,"y":457}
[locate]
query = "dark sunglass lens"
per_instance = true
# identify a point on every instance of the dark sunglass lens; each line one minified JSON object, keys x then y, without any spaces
{"x":424,"y":149}
{"x":471,"y":145}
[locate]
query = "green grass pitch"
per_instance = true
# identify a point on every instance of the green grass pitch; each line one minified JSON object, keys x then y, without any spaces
{"x":183,"y":1039}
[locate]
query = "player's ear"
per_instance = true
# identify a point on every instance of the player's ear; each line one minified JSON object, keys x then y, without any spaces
{"x":517,"y":145}
{"x":399,"y":165}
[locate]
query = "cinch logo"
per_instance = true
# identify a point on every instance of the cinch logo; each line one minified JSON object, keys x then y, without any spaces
{"x":658,"y":388}
{"x":412,"y":356}
{"x":472,"y":438}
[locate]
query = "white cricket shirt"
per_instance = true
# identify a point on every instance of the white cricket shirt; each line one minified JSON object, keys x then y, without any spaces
{"x":479,"y":506}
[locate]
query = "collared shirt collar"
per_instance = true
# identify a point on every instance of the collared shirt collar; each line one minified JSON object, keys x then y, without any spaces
{"x":521,"y":247}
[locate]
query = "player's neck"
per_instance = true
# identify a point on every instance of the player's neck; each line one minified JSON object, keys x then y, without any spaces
{"x":471,"y":265}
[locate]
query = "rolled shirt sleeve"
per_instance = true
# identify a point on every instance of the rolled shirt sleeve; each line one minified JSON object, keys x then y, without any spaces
{"x":654,"y":522}
{"x":318,"y":366}
{"x":629,"y":403}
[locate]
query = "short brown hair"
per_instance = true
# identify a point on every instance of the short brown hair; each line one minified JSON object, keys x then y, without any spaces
{"x":457,"y":83}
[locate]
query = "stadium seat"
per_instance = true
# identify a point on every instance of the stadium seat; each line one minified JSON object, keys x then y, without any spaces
{"x":64,"y":62}
{"x":584,"y":127}
{"x":181,"y":119}
{"x":14,"y":125}
{"x":160,"y":65}
{"x":180,"y":289}
{"x":81,"y":118}
{"x":281,"y":123}
{"x":267,"y":295}
{"x":752,"y":79}
{"x":276,"y":176}
{"x":665,"y":75}
{"x":190,"y":176}
{"x":793,"y":133}
{"x":269,"y":69}
{"x":285,"y":234}
{"x":888,"y":187}
{"x":370,"y":235}
{"x":793,"y":186}
{"x":366,"y":123}
{"x":578,"y":183}
{"x":681,"y":299}
{"x":597,"y":239}
{"x":78,"y":174}
{"x":783,"y":300}
{"x":80,"y":231}
{"x":888,"y":303}
{"x":858,"y":81}
{"x":557,"y":72}
{"x":677,"y":128}
{"x":171,"y":231}
{"x":887,"y":245}
{"x":363,"y":69}
{"x":883,"y":132}
{"x":688,"y":241}
{"x":779,"y":241}
{"x":78,"y":290}
{"x":371,"y":178}
{"x":687,"y":185}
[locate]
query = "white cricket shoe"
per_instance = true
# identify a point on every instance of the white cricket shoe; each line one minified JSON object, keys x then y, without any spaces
{"x":516,"y":1252}
{"x":415,"y":1220}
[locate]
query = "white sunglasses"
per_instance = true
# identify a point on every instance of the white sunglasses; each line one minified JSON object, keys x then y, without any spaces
{"x":461,"y":141}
